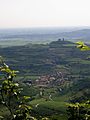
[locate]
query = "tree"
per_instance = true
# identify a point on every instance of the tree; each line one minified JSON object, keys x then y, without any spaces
{"x":82,"y":46}
{"x":79,"y":111}
{"x":11,"y":95}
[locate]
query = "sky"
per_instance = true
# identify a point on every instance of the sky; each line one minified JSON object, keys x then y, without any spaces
{"x":44,"y":13}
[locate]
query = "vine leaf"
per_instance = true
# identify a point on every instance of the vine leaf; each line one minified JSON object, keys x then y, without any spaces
{"x":82,"y":46}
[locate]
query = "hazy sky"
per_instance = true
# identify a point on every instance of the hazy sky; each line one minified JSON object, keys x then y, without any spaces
{"x":44,"y":13}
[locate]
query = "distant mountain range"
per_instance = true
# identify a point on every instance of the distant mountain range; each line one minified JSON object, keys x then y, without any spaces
{"x":45,"y":34}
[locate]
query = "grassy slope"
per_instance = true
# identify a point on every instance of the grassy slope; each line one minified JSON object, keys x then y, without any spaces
{"x":53,"y":109}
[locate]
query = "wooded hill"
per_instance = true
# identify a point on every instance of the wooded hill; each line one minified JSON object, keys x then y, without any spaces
{"x":37,"y":60}
{"x":47,"y":59}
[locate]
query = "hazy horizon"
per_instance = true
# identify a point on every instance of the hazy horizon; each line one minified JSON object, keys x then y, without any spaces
{"x":48,"y":27}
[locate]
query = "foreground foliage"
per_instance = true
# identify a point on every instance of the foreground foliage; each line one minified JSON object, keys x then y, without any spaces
{"x":79,"y":111}
{"x":11,"y":96}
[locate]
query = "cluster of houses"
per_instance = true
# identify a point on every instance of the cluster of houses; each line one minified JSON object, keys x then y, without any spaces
{"x":47,"y":80}
{"x":50,"y":80}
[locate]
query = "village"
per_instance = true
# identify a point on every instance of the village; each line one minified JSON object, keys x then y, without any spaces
{"x":47,"y":80}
